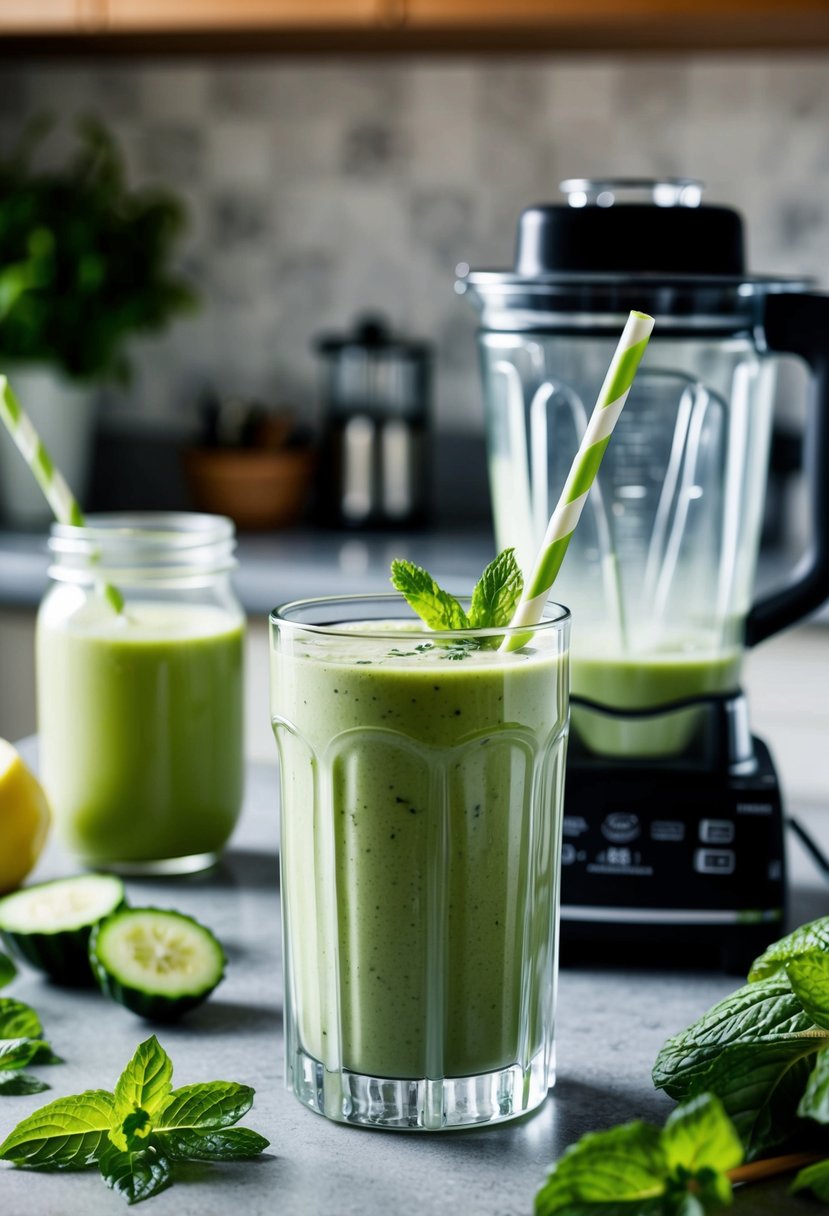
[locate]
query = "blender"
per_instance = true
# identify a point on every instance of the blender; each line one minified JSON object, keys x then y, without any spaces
{"x":673,"y":825}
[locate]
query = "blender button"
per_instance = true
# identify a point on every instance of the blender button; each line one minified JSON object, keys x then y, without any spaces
{"x":668,"y":829}
{"x":621,"y":827}
{"x":568,"y":854}
{"x":714,"y":861}
{"x":716,"y":831}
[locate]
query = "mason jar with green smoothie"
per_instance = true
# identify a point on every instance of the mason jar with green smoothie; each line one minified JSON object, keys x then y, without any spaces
{"x":139,"y":682}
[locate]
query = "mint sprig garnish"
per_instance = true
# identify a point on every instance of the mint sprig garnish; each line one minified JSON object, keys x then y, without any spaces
{"x":21,"y":1044}
{"x":493,"y":601}
{"x":137,"y":1133}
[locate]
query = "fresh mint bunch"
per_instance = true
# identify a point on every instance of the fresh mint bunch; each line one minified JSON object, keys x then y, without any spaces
{"x":21,"y":1044}
{"x":637,"y":1169}
{"x":493,"y":602}
{"x":751,"y":1074}
{"x":136,"y":1134}
{"x":763,"y":1051}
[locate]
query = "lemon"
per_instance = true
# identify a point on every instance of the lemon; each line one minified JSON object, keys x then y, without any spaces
{"x":24,"y":818}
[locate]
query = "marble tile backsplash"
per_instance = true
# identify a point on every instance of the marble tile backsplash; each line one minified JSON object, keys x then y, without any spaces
{"x":318,"y":189}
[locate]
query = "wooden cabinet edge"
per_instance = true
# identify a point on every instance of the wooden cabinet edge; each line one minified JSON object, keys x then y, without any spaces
{"x":206,"y":16}
{"x":413,"y":26}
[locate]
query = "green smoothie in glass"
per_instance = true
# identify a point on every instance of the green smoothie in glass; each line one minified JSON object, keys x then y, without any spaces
{"x":140,"y":720}
{"x":140,"y":710}
{"x":421,"y":801}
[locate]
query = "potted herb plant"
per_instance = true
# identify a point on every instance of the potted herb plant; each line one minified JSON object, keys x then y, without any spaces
{"x":85,"y":264}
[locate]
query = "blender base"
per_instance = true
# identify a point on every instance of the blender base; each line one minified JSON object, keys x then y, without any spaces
{"x":668,"y":865}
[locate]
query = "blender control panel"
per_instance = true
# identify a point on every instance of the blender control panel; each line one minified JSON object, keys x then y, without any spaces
{"x":638,"y":840}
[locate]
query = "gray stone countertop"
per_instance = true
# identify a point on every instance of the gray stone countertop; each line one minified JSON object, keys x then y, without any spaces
{"x":611,"y":1025}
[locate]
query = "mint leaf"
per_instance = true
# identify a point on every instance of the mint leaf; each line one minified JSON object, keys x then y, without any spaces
{"x":135,"y":1175}
{"x":140,"y":1094}
{"x":230,"y":1144}
{"x":17,"y":1053}
{"x":205,"y":1107}
{"x":7,"y":970}
{"x":13,"y":1084}
{"x":497,"y":593}
{"x":754,"y":1050}
{"x":814,"y":1178}
{"x":760,"y":1088}
{"x":620,"y":1165}
{"x":147,"y":1081}
{"x":435,"y":607}
{"x":18,"y":1021}
{"x":764,"y":1012}
{"x":804,"y":940}
{"x":700,"y":1145}
{"x":699,"y":1135}
{"x":809,"y":977}
{"x":64,"y":1135}
{"x":815,"y":1101}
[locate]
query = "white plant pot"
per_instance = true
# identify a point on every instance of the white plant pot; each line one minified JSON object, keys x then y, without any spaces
{"x":64,"y":415}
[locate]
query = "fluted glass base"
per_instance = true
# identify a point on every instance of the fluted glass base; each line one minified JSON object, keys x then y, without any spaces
{"x":419,"y":1105}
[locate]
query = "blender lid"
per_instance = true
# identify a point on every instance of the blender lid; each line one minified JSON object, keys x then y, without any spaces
{"x":663,"y":252}
{"x":669,"y":234}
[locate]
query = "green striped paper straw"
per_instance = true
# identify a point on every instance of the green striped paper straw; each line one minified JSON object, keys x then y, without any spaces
{"x":51,"y":481}
{"x":562,"y":525}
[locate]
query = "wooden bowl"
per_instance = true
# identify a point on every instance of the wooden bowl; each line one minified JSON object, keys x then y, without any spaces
{"x":257,"y":488}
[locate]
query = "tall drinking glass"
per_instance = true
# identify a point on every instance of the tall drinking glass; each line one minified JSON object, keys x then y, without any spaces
{"x":421,"y":780}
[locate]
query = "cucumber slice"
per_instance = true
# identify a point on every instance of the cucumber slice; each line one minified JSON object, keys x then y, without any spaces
{"x":158,"y":963}
{"x":49,"y":924}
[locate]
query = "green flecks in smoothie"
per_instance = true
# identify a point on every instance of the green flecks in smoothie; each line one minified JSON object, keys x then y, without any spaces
{"x":404,"y":735}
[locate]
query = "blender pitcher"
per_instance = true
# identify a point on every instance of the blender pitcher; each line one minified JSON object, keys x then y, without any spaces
{"x":660,"y":573}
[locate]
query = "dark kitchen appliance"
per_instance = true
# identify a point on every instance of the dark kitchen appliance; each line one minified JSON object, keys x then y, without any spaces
{"x":375,"y":458}
{"x":673,"y":822}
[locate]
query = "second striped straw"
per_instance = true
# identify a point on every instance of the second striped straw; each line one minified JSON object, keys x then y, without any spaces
{"x":51,"y":481}
{"x":614,"y":392}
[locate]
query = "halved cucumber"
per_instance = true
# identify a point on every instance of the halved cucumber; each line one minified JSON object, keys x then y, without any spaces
{"x":49,"y":924}
{"x":158,"y":963}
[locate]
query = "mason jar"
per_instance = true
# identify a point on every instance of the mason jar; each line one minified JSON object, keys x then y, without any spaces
{"x":139,"y":687}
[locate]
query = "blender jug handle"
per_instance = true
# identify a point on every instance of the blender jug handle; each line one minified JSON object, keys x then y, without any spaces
{"x":799,"y":325}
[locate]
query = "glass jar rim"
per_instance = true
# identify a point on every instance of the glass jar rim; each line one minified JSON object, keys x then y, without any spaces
{"x":178,"y":529}
{"x":152,"y":544}
{"x":279,"y":617}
